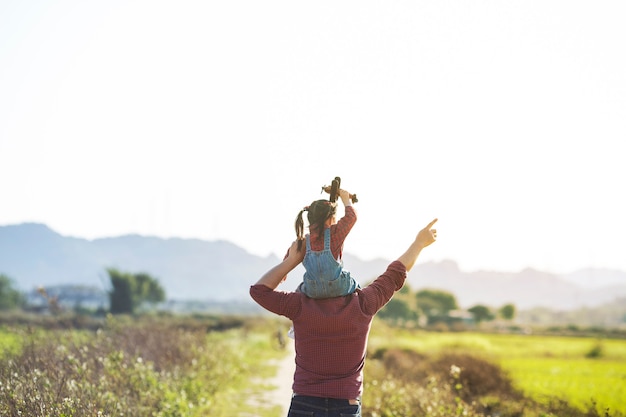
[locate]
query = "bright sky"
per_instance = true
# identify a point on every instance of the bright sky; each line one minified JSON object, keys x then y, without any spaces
{"x":222,"y":119}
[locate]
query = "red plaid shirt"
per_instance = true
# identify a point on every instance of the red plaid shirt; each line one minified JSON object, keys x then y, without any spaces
{"x":331,"y":333}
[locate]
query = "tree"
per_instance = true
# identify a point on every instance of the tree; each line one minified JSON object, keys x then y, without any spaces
{"x":507,"y":311}
{"x":397,"y":310}
{"x":406,"y":289}
{"x":120,"y":296}
{"x":131,"y":291}
{"x":149,"y":289}
{"x":436,"y":302}
{"x":10,"y":297}
{"x":481,"y":313}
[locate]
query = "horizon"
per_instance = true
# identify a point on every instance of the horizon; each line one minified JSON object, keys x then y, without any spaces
{"x":436,"y":261}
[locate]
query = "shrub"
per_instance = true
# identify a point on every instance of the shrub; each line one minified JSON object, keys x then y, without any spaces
{"x":133,"y":367}
{"x":596,"y":351}
{"x":402,"y":382}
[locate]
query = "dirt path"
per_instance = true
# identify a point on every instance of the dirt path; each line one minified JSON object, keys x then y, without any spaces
{"x":276,"y":391}
{"x":281,"y":395}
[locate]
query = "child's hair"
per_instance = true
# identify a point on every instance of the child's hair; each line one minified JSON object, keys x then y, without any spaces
{"x":318,"y":212}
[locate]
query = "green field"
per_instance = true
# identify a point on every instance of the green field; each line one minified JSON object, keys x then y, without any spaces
{"x":577,"y":370}
{"x":9,"y":342}
{"x":178,"y":367}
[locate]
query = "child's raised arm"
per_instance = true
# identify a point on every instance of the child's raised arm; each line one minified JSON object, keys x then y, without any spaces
{"x":277,"y":274}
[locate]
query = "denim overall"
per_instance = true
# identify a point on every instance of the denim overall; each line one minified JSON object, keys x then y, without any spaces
{"x":325,"y":276}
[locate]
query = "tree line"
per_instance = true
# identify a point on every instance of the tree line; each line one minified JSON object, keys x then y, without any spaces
{"x":432,"y":306}
{"x":131,"y":292}
{"x":128,"y":293}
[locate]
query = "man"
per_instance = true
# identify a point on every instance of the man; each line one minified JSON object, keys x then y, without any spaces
{"x":332,"y":333}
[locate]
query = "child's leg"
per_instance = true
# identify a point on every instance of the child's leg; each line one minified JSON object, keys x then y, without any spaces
{"x":343,"y":285}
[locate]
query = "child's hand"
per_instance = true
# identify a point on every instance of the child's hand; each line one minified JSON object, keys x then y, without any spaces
{"x":293,"y":254}
{"x":345,"y":197}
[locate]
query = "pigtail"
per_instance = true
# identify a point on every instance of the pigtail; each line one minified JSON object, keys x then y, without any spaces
{"x":318,"y":212}
{"x":300,"y":228}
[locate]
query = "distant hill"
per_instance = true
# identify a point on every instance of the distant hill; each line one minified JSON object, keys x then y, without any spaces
{"x":191,"y":269}
{"x":34,"y":255}
{"x":526,"y":289}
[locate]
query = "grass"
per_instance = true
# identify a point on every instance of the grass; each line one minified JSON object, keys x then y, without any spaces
{"x":170,"y":367}
{"x":158,"y":367}
{"x":579,"y":381}
{"x":10,"y":342}
{"x":575,"y":369}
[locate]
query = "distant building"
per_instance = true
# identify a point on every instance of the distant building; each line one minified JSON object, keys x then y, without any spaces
{"x":67,"y":297}
{"x":453,"y":318}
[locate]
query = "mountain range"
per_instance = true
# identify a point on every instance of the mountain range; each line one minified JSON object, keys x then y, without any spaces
{"x":33,"y":255}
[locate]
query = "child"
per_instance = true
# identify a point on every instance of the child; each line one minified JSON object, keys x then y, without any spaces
{"x":324,"y":275}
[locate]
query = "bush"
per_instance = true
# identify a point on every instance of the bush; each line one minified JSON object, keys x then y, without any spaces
{"x":402,"y":382}
{"x":596,"y":351}
{"x":159,"y":367}
{"x":61,"y":373}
